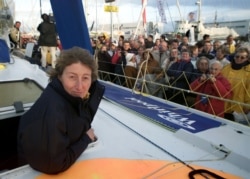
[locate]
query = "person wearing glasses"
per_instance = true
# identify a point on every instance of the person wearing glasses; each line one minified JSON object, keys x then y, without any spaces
{"x":238,"y":74}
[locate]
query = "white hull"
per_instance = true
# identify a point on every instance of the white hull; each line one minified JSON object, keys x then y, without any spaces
{"x":124,"y":133}
{"x":215,"y":32}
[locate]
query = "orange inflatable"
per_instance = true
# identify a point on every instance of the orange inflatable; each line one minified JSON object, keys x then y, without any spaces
{"x":108,"y":168}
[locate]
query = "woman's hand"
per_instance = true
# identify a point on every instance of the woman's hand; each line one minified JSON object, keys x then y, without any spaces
{"x":91,"y":134}
{"x":212,"y":78}
{"x":203,"y":77}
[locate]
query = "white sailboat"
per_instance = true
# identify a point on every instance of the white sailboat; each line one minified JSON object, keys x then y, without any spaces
{"x":138,"y":136}
{"x":196,"y":28}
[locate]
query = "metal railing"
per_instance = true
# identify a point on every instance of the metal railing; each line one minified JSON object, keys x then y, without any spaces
{"x":148,"y":86}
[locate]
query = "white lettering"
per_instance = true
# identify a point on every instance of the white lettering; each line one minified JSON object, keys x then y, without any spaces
{"x":169,"y":115}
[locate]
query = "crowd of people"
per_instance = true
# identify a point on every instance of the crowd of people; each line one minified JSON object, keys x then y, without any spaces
{"x":46,"y":45}
{"x":216,"y":72}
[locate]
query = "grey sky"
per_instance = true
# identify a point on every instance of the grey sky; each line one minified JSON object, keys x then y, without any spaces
{"x":129,"y":10}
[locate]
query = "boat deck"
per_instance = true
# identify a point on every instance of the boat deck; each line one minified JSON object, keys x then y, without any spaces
{"x":157,"y":137}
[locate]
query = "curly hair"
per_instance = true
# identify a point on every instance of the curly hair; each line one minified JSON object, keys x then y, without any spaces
{"x":74,"y":55}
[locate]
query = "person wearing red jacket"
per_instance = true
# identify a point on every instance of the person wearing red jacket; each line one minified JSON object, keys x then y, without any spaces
{"x":213,"y":84}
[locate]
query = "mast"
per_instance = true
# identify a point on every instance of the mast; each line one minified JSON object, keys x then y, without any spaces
{"x":215,"y":19}
{"x":144,"y":4}
{"x":178,"y":6}
{"x":111,"y":24}
{"x":199,"y":10}
{"x":86,"y":11}
{"x":96,"y":18}
{"x":144,"y":20}
{"x":199,"y":17}
{"x":41,"y":12}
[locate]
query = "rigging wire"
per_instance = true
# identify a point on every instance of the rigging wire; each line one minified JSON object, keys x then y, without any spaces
{"x":41,"y":12}
{"x":170,"y":15}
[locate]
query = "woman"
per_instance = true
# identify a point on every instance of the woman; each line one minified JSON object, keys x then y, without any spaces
{"x":57,"y":128}
{"x":179,"y":74}
{"x":238,"y":74}
{"x":213,"y":84}
{"x":202,"y":65}
{"x":220,"y":56}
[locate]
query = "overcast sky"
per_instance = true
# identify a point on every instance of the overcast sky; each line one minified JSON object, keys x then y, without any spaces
{"x":28,"y":11}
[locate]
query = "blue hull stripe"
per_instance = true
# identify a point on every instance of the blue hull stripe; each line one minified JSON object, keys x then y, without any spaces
{"x":160,"y":112}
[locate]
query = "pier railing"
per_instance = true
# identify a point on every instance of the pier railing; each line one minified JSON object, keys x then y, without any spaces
{"x":148,"y":85}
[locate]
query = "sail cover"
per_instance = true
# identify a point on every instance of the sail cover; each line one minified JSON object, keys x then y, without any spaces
{"x":71,"y":23}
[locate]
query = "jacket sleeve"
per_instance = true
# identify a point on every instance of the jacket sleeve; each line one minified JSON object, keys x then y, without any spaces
{"x":96,"y":92}
{"x":196,"y":85}
{"x":222,"y":88}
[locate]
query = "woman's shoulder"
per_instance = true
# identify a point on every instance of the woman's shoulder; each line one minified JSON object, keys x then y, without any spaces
{"x":248,"y":67}
{"x":227,"y":67}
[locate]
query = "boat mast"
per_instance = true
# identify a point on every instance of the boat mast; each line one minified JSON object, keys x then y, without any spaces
{"x":199,"y":10}
{"x":199,"y":14}
{"x":96,"y":18}
{"x":111,"y":24}
{"x":199,"y":17}
{"x":41,"y":12}
{"x":86,"y":11}
{"x":178,"y":6}
{"x":144,"y":4}
{"x":215,"y":19}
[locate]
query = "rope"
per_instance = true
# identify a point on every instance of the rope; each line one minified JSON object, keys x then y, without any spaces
{"x":139,"y":72}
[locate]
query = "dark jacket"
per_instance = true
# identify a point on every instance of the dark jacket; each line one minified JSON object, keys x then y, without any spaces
{"x":104,"y":62}
{"x":196,"y":74}
{"x":52,"y":134}
{"x":180,"y":73}
{"x":47,"y":34}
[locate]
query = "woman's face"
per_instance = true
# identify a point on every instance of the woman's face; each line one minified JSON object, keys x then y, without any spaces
{"x":203,"y":65}
{"x":219,"y":54}
{"x":195,"y":52}
{"x":185,"y":56}
{"x":104,"y":48}
{"x":76,"y":79}
{"x":174,"y":53}
{"x":240,"y":57}
{"x":215,"y":69}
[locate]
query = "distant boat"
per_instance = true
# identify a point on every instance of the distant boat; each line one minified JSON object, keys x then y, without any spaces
{"x":242,"y":27}
{"x":196,"y":29}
